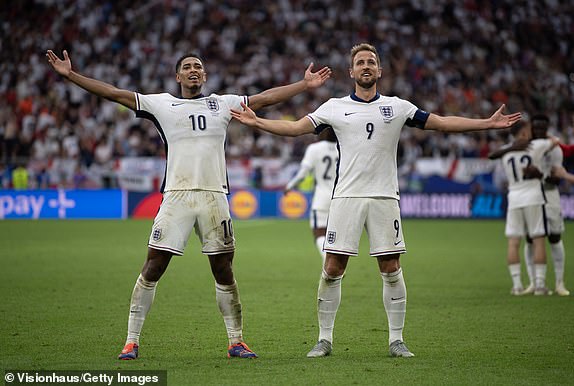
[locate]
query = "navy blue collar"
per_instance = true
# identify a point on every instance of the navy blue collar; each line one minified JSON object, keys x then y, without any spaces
{"x":357,"y":99}
{"x":200,"y":95}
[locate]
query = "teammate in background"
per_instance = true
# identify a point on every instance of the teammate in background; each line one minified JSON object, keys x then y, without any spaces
{"x":567,"y":150}
{"x":320,"y":159}
{"x":193,"y":129}
{"x":551,"y":164}
{"x":367,"y":125}
{"x":526,"y":213}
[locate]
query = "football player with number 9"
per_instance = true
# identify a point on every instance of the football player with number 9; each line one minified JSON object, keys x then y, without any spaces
{"x":366,"y":195}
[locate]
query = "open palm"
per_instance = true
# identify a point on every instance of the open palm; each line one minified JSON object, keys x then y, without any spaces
{"x":316,"y":79}
{"x":504,"y":121}
{"x":62,"y":67}
{"x":246,"y":116}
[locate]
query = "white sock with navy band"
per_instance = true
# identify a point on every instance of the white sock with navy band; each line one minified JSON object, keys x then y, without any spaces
{"x":557,"y":252}
{"x":540,"y":275}
{"x":328,"y":300}
{"x":227,"y":297}
{"x":529,"y":260}
{"x":395,"y":302}
{"x":514,"y":270}
{"x":142,"y":299}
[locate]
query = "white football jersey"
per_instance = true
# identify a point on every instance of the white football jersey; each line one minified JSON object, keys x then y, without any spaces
{"x":368,"y":134}
{"x":193,"y":132}
{"x":320,"y":159}
{"x":552,"y":158}
{"x":523,"y":192}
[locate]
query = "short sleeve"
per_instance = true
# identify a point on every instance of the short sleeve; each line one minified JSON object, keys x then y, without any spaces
{"x":321,"y":116}
{"x":234,"y":101}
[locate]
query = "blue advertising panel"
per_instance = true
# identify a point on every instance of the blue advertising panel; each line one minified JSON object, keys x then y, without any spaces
{"x":62,"y":204}
{"x":252,"y":203}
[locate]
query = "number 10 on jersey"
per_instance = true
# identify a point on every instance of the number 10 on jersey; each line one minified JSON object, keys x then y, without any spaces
{"x":198,"y":122}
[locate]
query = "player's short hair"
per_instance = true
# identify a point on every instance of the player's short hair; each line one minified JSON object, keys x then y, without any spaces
{"x":539,"y":124}
{"x":188,"y":55}
{"x":517,"y":127}
{"x":364,"y":47}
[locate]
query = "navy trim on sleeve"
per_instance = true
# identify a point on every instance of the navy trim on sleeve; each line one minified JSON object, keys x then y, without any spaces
{"x":419,"y":119}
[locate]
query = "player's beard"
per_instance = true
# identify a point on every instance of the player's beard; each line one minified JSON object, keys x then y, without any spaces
{"x":366,"y":84}
{"x":195,"y":88}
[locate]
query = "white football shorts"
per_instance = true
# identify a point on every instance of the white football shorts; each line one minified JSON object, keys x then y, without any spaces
{"x":182,"y":211}
{"x":554,"y":212}
{"x":527,"y":221}
{"x":379,"y":216}
{"x":554,"y":219}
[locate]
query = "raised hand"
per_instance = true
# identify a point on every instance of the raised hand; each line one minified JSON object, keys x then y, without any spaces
{"x":316,"y":79}
{"x":502,"y":121}
{"x":62,"y":67}
{"x":247,"y":116}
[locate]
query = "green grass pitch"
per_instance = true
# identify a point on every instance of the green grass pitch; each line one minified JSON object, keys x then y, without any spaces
{"x":65,"y":289}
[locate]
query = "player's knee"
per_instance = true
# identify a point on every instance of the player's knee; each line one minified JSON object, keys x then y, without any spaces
{"x":554,"y":238}
{"x":156,"y":264}
{"x":330,"y":277}
{"x":221,"y":268}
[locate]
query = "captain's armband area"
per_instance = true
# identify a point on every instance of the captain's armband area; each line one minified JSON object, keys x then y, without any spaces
{"x":419,"y":120}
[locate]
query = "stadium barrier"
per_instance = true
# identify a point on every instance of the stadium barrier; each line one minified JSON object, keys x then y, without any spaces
{"x":244,"y":204}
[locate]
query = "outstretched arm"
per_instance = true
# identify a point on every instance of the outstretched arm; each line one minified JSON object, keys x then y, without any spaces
{"x":297,"y":178}
{"x":561,"y":172}
{"x":282,"y":93}
{"x":454,"y":124}
{"x":99,"y":88}
{"x":274,"y":126}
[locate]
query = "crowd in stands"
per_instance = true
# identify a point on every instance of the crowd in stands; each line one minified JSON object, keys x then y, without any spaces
{"x":450,"y":57}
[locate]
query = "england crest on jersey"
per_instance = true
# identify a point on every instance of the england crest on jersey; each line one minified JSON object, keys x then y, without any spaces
{"x":212,"y":104}
{"x":387,"y":113}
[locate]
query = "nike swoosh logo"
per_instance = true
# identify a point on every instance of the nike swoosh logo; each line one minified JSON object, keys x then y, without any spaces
{"x":398,"y":242}
{"x":347,"y":114}
{"x":227,"y":243}
{"x":177,"y":104}
{"x":393,"y":299}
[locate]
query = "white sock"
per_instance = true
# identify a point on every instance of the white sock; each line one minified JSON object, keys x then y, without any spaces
{"x":529,"y":260}
{"x":540,"y":272}
{"x":319,"y":241}
{"x":557,"y":251}
{"x":142,"y":299}
{"x":328,"y":300}
{"x":395,"y":301}
{"x":514,"y":270}
{"x":227,"y":297}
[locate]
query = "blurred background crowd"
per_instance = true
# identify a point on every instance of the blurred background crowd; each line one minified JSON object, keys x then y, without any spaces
{"x":450,"y":57}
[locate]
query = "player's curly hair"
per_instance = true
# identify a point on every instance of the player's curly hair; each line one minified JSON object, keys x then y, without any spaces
{"x":364,"y":47}
{"x":188,"y":55}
